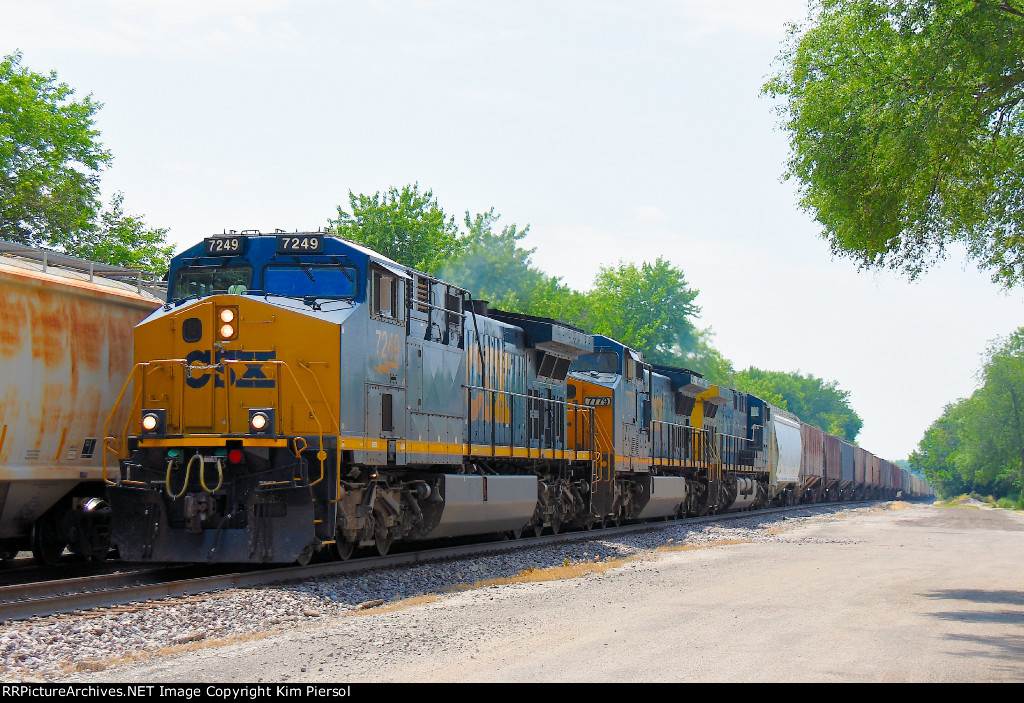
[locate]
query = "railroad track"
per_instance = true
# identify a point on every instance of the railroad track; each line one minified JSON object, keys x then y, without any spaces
{"x":22,"y":601}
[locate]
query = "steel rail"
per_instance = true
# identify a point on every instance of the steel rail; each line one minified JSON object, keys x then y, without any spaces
{"x":48,"y":598}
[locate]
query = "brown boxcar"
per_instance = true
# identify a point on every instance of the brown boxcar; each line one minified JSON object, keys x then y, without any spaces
{"x":833,"y":464}
{"x":812,"y":463}
{"x":860,"y":468}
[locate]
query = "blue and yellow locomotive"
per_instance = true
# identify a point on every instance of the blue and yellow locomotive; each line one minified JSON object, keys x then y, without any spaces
{"x":299,"y":394}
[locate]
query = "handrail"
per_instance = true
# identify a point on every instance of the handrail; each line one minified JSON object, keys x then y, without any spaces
{"x":603,"y":432}
{"x":119,"y":449}
{"x":321,"y":454}
{"x":695,"y":438}
{"x":548,"y":402}
{"x":106,"y":438}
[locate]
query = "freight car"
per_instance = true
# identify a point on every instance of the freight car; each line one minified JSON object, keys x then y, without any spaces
{"x":65,"y":336}
{"x":299,"y":394}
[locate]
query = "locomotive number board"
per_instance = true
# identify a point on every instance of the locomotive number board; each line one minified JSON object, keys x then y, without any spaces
{"x":224,"y":246}
{"x":300,"y":244}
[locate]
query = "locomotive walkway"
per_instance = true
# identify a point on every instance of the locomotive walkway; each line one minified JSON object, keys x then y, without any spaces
{"x":919,"y":594}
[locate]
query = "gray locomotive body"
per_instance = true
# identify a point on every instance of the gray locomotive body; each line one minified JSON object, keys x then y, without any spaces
{"x":343,"y":400}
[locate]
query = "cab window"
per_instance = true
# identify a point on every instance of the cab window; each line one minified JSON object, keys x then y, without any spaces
{"x":207,"y":280}
{"x":602,"y":362}
{"x":385,"y":295}
{"x":308,"y":279}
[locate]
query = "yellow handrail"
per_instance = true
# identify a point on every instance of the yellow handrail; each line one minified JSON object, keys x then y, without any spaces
{"x":112,"y":445}
{"x":106,"y":438}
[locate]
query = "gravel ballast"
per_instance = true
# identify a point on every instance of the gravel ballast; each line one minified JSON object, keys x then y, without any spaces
{"x":50,"y":647}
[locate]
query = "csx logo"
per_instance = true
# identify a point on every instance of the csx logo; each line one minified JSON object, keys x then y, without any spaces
{"x":597,"y":401}
{"x":252,"y":377}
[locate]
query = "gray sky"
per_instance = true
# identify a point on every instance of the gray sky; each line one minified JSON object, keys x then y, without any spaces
{"x":617,"y":131}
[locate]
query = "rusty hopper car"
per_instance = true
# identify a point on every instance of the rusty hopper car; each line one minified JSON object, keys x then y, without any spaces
{"x":65,"y":344}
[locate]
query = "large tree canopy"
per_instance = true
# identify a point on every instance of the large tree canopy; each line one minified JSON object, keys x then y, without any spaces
{"x":404,"y":225}
{"x":978,"y":443}
{"x":649,"y":307}
{"x":50,"y":157}
{"x":123,"y":240}
{"x":494,"y":267}
{"x":906,"y":132}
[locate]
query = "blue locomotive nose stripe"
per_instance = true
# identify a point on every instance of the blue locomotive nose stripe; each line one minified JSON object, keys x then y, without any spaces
{"x":253,"y":378}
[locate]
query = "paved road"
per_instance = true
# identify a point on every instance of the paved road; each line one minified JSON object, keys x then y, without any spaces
{"x":921,"y":594}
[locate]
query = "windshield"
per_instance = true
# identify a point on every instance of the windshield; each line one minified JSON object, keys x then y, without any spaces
{"x":328,"y":281}
{"x":206,"y":280}
{"x":603,"y":362}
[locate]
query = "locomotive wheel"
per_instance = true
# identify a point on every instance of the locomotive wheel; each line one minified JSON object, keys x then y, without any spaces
{"x":383,"y":541}
{"x":538,"y":530}
{"x":556,"y":526}
{"x":305,"y":556}
{"x":47,"y":546}
{"x":516,"y":533}
{"x":343,"y":550}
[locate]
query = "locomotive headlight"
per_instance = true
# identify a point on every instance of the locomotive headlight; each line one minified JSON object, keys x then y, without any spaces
{"x":227,"y":319}
{"x":153,"y":422}
{"x":261,"y":421}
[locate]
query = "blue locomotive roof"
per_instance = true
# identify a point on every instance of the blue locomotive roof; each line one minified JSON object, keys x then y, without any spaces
{"x":306,"y":264}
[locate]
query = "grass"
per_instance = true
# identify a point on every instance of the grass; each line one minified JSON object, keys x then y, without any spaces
{"x":961,"y":501}
{"x":958,"y":502}
{"x":1008,"y":503}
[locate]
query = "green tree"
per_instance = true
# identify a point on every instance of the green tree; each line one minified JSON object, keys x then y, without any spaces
{"x":977,"y":445}
{"x":994,"y":440}
{"x":701,"y":356}
{"x":815,"y":401}
{"x":936,"y":457}
{"x":404,"y":225}
{"x":905,"y":127}
{"x":760,"y":385}
{"x":494,"y":267}
{"x":123,"y":240}
{"x":50,"y":157}
{"x":648,"y":307}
